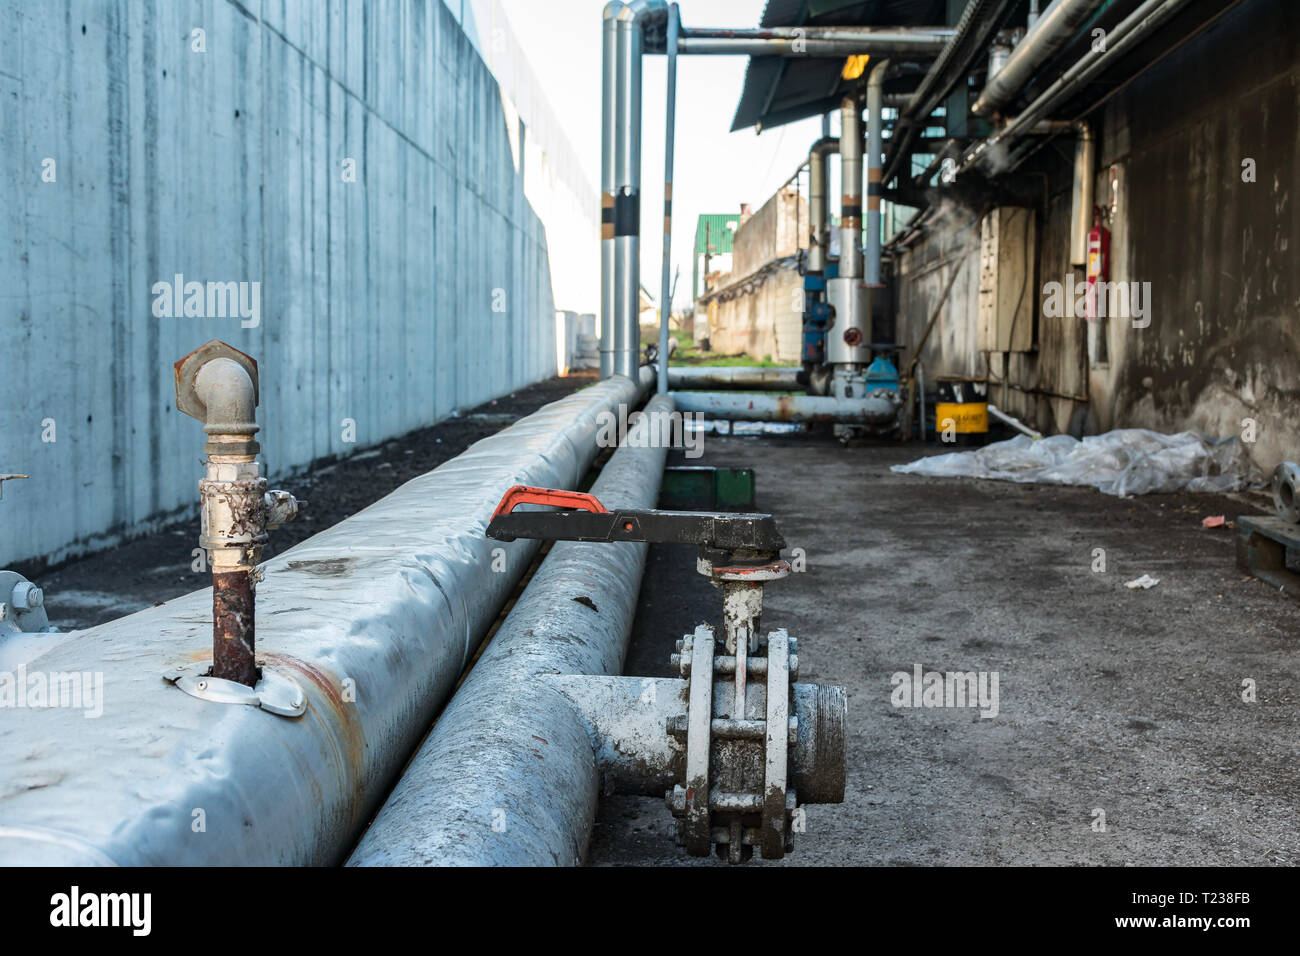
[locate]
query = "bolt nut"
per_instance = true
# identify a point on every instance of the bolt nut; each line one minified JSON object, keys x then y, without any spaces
{"x":27,"y":596}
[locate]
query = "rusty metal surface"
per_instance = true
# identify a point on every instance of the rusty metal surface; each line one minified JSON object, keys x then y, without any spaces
{"x":374,"y":618}
{"x":233,"y":627}
{"x":508,"y":775}
{"x":703,"y":376}
{"x":749,"y":407}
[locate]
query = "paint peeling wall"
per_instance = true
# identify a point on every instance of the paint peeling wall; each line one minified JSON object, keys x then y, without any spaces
{"x":1221,"y":255}
{"x":421,"y":287}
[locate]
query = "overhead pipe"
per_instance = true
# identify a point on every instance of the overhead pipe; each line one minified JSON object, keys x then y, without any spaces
{"x":374,"y":619}
{"x":1131,"y":30}
{"x":665,"y":287}
{"x":1047,"y":34}
{"x":978,"y":19}
{"x":608,"y":128}
{"x":814,"y":41}
{"x":735,"y":377}
{"x":754,"y":407}
{"x":508,"y":775}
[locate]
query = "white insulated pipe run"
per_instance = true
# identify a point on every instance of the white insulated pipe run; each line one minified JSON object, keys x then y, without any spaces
{"x":508,"y":775}
{"x":374,"y":618}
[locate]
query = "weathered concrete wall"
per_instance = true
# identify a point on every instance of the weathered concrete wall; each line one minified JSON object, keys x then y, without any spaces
{"x":418,"y":288}
{"x":774,"y":232}
{"x":761,"y":316}
{"x":1222,"y":256}
{"x":758,"y":309}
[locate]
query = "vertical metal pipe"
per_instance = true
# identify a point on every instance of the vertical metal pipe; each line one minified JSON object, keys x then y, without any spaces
{"x":665,"y":287}
{"x":627,"y":197}
{"x":850,"y":188}
{"x":875,"y":127}
{"x":819,"y":235}
{"x":608,"y":119}
{"x":1083,"y":196}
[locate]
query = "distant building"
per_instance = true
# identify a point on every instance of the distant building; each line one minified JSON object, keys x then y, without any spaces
{"x":749,"y":311}
{"x":714,"y":235}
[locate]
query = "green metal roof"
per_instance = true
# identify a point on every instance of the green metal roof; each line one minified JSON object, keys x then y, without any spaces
{"x":719,"y":236}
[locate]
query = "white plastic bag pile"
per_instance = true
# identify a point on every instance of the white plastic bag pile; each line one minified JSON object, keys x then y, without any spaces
{"x":1127,"y":461}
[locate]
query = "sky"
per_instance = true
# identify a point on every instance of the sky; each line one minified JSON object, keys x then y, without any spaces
{"x":714,"y":170}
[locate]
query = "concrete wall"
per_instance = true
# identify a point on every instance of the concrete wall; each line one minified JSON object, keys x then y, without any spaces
{"x":419,"y":288}
{"x":775,"y":231}
{"x":761,"y":316}
{"x":1222,"y":256}
{"x":758,"y":309}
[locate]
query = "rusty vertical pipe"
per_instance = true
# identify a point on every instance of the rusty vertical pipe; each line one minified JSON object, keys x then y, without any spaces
{"x":217,"y":385}
{"x":233,"y":640}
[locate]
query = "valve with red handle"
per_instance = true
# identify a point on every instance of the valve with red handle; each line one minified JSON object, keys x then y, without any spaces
{"x":734,"y":790}
{"x":731,"y":538}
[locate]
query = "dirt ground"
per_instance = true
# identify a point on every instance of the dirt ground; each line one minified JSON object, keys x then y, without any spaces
{"x":1127,"y":702}
{"x":158,"y":567}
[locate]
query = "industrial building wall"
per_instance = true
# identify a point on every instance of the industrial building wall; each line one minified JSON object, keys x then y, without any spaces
{"x":358,"y":179}
{"x":1220,"y":253}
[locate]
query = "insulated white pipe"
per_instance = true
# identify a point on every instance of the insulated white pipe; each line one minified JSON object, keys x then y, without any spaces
{"x":508,"y":775}
{"x":375,"y":618}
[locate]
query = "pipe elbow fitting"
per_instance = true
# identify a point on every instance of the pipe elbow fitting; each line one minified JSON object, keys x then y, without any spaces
{"x":227,"y":394}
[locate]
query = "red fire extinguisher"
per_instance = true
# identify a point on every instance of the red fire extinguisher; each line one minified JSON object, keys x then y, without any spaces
{"x":1098,"y":260}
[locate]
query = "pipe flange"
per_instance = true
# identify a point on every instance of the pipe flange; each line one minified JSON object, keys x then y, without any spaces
{"x":776,"y":773}
{"x":1286,"y":491}
{"x":753,"y":574}
{"x":695,"y":827}
{"x":274,"y":692}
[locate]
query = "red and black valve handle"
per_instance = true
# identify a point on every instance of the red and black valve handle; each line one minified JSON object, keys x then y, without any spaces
{"x":737,"y":536}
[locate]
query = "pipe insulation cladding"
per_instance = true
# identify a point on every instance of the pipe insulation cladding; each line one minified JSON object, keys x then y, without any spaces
{"x":374,"y":618}
{"x":508,"y":775}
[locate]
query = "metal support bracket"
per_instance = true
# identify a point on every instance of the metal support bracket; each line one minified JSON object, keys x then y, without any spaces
{"x":274,"y":692}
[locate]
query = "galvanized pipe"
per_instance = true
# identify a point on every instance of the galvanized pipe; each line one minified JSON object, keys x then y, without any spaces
{"x":875,"y":128}
{"x":665,"y":286}
{"x":627,"y":196}
{"x":814,"y":41}
{"x":850,"y":188}
{"x":508,"y":774}
{"x":1051,"y":31}
{"x":755,"y":407}
{"x":1129,"y":31}
{"x":819,"y":232}
{"x":608,"y":124}
{"x":703,"y":377}
{"x":375,"y":618}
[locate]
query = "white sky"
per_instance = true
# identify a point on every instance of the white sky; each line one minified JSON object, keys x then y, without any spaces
{"x":714,"y":170}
